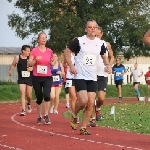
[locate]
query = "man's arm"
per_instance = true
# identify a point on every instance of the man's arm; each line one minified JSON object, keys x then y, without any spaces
{"x":110,"y":54}
{"x":146,"y":38}
{"x":13,"y":65}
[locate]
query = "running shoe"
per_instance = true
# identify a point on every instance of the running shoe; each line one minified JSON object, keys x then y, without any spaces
{"x":67,"y":105}
{"x":47,"y":120}
{"x":23,"y":113}
{"x":93,"y":123}
{"x":74,"y":123}
{"x":120,"y":99}
{"x":39,"y":120}
{"x":51,"y":110}
{"x":98,"y":116}
{"x":55,"y":112}
{"x":138,"y":96}
{"x":29,"y":109}
{"x":83,"y":131}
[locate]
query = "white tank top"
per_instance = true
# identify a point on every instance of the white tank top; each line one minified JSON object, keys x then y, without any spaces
{"x":68,"y":74}
{"x":101,"y":67}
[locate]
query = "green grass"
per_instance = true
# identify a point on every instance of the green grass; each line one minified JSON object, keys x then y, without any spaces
{"x":10,"y":91}
{"x":133,"y":117}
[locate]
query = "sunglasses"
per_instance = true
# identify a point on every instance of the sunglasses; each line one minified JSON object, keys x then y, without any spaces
{"x":91,"y":27}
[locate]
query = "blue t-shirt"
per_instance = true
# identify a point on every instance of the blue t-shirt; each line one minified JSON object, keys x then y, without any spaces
{"x":118,"y":70}
{"x":57,"y":78}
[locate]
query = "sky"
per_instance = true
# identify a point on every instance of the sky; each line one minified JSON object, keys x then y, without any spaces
{"x":8,"y":36}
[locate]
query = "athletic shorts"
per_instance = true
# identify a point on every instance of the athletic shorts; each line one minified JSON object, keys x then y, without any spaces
{"x":57,"y":85}
{"x":102,"y":83}
{"x":25,"y":81}
{"x":88,"y":85}
{"x":136,"y":83}
{"x":70,"y":82}
{"x":66,"y":88}
{"x":118,"y":82}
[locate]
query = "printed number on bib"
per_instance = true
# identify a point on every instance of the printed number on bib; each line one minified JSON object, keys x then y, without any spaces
{"x":56,"y":78}
{"x":118,"y":73}
{"x":41,"y":69}
{"x":89,"y":60}
{"x":68,"y":83}
{"x":25,"y":74}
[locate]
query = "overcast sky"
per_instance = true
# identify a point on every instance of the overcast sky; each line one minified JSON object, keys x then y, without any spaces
{"x":8,"y":36}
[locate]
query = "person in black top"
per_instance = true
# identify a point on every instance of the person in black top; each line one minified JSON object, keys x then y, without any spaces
{"x":24,"y":77}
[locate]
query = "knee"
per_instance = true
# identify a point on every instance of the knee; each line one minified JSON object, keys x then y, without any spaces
{"x":39,"y":101}
{"x":74,"y":98}
{"x":83,"y":104}
{"x":46,"y":99}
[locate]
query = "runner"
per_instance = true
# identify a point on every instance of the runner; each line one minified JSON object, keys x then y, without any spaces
{"x":136,"y":73}
{"x":87,"y":51}
{"x":41,"y":58}
{"x":146,"y":38}
{"x":101,"y":81}
{"x":119,"y":70}
{"x":66,"y":88}
{"x":24,"y":78}
{"x":57,"y":70}
{"x":147,"y":75}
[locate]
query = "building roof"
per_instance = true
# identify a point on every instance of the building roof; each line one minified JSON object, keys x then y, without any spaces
{"x":10,"y":50}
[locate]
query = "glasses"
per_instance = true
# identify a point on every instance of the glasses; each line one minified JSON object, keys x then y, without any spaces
{"x":117,"y":60}
{"x":91,"y":27}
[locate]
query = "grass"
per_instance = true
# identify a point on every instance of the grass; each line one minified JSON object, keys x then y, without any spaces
{"x":10,"y":91}
{"x":133,"y":117}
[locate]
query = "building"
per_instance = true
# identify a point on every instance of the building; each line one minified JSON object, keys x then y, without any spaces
{"x":7,"y":55}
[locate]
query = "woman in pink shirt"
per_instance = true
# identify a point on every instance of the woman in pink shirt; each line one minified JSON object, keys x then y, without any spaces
{"x":41,"y":58}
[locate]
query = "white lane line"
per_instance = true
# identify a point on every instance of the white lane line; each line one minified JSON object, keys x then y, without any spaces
{"x":6,"y":146}
{"x":110,"y":144}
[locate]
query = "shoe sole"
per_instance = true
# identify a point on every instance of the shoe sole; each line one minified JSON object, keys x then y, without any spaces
{"x":47,"y":123}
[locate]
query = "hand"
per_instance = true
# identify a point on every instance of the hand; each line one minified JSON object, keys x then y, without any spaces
{"x":30,"y":69}
{"x":58,"y":72}
{"x":108,"y":69}
{"x":73,"y":70}
{"x":10,"y":73}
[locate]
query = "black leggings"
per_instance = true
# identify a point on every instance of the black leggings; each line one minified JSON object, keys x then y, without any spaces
{"x":38,"y":84}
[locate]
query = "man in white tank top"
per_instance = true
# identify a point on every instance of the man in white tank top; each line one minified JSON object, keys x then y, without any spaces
{"x":87,"y":51}
{"x":101,"y":81}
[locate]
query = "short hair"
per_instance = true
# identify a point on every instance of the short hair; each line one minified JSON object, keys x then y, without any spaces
{"x":24,"y":47}
{"x":90,"y":20}
{"x":100,"y":28}
{"x":118,"y":58}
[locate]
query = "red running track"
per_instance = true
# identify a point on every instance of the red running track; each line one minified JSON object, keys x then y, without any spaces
{"x":22,"y":133}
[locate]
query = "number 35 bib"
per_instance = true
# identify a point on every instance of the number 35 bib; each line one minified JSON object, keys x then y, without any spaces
{"x":89,"y":60}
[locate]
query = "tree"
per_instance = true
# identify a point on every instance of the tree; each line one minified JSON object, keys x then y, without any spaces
{"x":124,"y":22}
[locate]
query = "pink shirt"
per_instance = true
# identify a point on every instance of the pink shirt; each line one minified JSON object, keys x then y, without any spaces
{"x":44,"y":61}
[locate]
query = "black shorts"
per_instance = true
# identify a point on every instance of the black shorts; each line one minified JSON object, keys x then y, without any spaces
{"x":102,"y":83}
{"x":88,"y":85}
{"x":72,"y":82}
{"x":118,"y":82}
{"x":136,"y":83}
{"x":66,"y":88}
{"x":25,"y":81}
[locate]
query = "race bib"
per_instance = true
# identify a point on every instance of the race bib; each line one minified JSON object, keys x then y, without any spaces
{"x":148,"y":78}
{"x":56,"y":78}
{"x":89,"y":60}
{"x":118,"y":73}
{"x":41,"y":69}
{"x":68,"y":83}
{"x":25,"y":73}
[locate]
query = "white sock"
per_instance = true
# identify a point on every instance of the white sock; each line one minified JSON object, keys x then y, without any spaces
{"x":98,"y":109}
